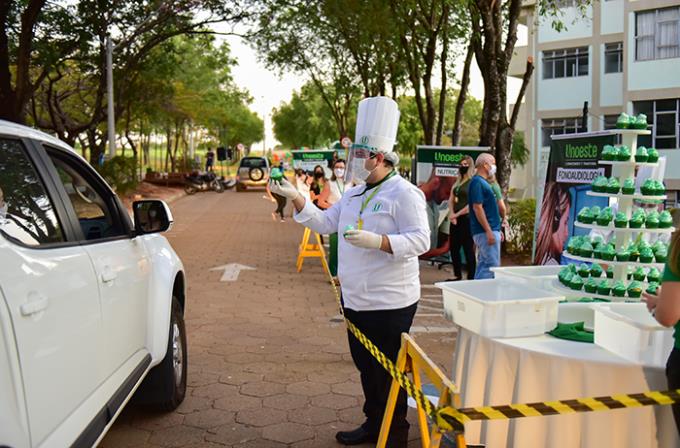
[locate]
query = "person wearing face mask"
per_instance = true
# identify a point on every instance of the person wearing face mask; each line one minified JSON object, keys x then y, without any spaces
{"x":332,"y":192}
{"x":384,"y":228}
{"x":485,"y":218}
{"x":459,"y":216}
{"x":317,"y":186}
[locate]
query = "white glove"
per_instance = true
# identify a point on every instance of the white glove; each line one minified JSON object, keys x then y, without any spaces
{"x":363,"y":239}
{"x":283,"y":188}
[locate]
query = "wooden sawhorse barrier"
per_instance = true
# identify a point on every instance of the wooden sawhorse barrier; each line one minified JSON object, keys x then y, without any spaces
{"x":311,"y":250}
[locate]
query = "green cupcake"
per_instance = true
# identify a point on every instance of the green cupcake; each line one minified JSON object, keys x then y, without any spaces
{"x":609,"y":152}
{"x":658,"y":245}
{"x":624,"y":154}
{"x":639,"y":122}
{"x":635,"y":290}
{"x":621,"y":221}
{"x":584,"y":270}
{"x":604,"y":287}
{"x":576,"y":283}
{"x":665,"y":220}
{"x":636,"y":221}
{"x":573,"y":245}
{"x":634,"y":252}
{"x":599,"y":185}
{"x":652,"y":221}
{"x":659,"y":188}
{"x":613,"y":186}
{"x":639,"y":274}
{"x":623,"y":121}
{"x":604,"y":217}
{"x":619,"y":289}
{"x":648,"y":188}
{"x":628,"y":186}
{"x":654,"y":275}
{"x":652,"y":155}
{"x":609,"y":252}
{"x":595,"y":270}
{"x":623,"y":255}
{"x":646,"y":255}
{"x":586,"y":250}
{"x":610,"y":271}
{"x":585,"y":216}
{"x":591,"y":286}
{"x":641,"y":155}
{"x":652,"y":288}
{"x":661,"y":255}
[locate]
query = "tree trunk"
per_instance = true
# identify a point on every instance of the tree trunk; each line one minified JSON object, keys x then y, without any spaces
{"x":462,"y":97}
{"x":96,"y":147}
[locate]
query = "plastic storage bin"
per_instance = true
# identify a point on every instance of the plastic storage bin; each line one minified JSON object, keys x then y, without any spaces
{"x":538,"y":276}
{"x":629,"y":331}
{"x":500,"y":308}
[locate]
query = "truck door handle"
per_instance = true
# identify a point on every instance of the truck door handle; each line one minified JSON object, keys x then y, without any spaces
{"x":108,"y":275}
{"x":36,"y":303}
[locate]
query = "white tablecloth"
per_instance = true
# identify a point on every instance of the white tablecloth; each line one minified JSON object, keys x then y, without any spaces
{"x":543,"y":368}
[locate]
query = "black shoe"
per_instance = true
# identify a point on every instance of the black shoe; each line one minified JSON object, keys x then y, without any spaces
{"x":356,"y":437}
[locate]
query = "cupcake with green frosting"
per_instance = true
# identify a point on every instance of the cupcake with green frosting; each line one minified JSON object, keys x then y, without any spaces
{"x":610,"y":271}
{"x":652,"y":288}
{"x":646,"y":255}
{"x":595,"y":270}
{"x":604,"y":217}
{"x":635,"y":290}
{"x":624,"y":154}
{"x":622,"y":255}
{"x":661,"y":255}
{"x":609,"y":152}
{"x":586,"y":249}
{"x":639,"y":122}
{"x":591,"y":286}
{"x":599,"y":185}
{"x":665,"y":220}
{"x":585,"y":216}
{"x":648,"y":188}
{"x":637,"y":220}
{"x":576,"y":283}
{"x":623,"y":121}
{"x":619,"y":289}
{"x":604,"y":287}
{"x":584,"y":270}
{"x":654,"y":275}
{"x":639,"y":274}
{"x":652,"y":155}
{"x":628,"y":186}
{"x":652,"y":221}
{"x":659,"y":188}
{"x":634,"y":252}
{"x":621,"y":221}
{"x":641,"y":155}
{"x":609,"y":252}
{"x":613,"y":186}
{"x":573,"y":245}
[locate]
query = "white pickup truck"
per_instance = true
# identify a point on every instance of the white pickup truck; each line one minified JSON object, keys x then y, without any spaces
{"x":91,"y":303}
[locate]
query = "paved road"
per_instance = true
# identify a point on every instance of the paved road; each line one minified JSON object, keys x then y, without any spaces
{"x":268,"y":367}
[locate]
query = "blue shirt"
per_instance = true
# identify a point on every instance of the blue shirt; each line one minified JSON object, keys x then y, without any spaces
{"x":480,"y":192}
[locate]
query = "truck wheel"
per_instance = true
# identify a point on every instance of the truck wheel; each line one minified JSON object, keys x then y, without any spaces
{"x":165,"y":386}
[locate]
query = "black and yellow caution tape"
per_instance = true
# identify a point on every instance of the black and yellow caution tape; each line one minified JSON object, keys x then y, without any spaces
{"x":451,"y":419}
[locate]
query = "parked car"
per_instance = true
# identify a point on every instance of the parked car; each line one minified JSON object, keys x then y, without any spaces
{"x":91,"y":302}
{"x":252,"y":172}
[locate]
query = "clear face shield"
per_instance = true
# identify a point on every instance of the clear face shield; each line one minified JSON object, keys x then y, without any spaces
{"x":357,"y":156}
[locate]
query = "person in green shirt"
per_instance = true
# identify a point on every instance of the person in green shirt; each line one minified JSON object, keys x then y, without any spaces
{"x":665,"y":307}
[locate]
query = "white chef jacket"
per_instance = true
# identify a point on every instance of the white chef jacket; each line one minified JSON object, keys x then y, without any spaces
{"x":372,"y":279}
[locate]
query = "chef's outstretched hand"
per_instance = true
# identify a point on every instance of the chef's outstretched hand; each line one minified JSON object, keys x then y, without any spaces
{"x":283,"y":188}
{"x":363,"y":239}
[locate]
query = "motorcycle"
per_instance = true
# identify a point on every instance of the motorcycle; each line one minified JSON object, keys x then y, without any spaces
{"x":195,"y":182}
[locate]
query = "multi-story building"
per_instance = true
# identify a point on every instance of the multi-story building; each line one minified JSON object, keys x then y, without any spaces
{"x":619,"y":56}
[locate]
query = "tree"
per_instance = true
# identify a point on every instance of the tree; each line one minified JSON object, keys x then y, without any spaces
{"x":305,"y":120}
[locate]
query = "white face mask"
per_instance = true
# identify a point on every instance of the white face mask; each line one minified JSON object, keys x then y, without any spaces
{"x":492,"y":170}
{"x":359,"y":171}
{"x":339,"y":173}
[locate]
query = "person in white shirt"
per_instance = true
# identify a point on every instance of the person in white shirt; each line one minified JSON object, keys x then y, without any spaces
{"x":384,"y":229}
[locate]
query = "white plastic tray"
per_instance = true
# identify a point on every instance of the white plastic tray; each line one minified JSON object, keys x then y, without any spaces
{"x":629,"y":331}
{"x":500,"y":308}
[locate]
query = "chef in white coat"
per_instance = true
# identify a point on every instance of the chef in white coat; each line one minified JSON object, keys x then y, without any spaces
{"x":383,"y":229}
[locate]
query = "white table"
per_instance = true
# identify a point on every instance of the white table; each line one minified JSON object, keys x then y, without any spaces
{"x":543,"y":368}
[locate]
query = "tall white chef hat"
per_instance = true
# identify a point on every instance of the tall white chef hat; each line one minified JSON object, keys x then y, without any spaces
{"x":377,"y":123}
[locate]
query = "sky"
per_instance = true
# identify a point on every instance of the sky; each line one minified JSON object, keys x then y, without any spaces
{"x":269,"y":90}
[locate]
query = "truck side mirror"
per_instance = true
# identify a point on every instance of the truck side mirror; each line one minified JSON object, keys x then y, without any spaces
{"x":151,"y":216}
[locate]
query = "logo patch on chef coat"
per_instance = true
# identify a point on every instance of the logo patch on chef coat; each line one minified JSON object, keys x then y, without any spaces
{"x":377,"y":207}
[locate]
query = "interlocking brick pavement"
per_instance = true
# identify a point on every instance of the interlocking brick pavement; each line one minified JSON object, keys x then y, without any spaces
{"x":267,"y":365}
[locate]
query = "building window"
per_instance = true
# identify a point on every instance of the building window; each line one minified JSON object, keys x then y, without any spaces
{"x":657,"y":34}
{"x":566,"y":63}
{"x":663,"y":117}
{"x":613,"y":57}
{"x":559,"y":126}
{"x":610,"y":121}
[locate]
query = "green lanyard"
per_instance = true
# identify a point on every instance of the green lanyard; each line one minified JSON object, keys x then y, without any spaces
{"x":364,"y":203}
{"x":341,"y":189}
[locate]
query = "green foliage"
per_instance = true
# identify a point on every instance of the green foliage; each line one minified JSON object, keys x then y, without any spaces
{"x":121,"y":173}
{"x":472,"y":115}
{"x":519,"y":154}
{"x":521,"y":220}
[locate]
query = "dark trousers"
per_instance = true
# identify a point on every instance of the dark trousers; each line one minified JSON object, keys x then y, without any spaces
{"x":460,"y":235}
{"x":280,"y":204}
{"x":384,"y":329}
{"x":673,"y":376}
